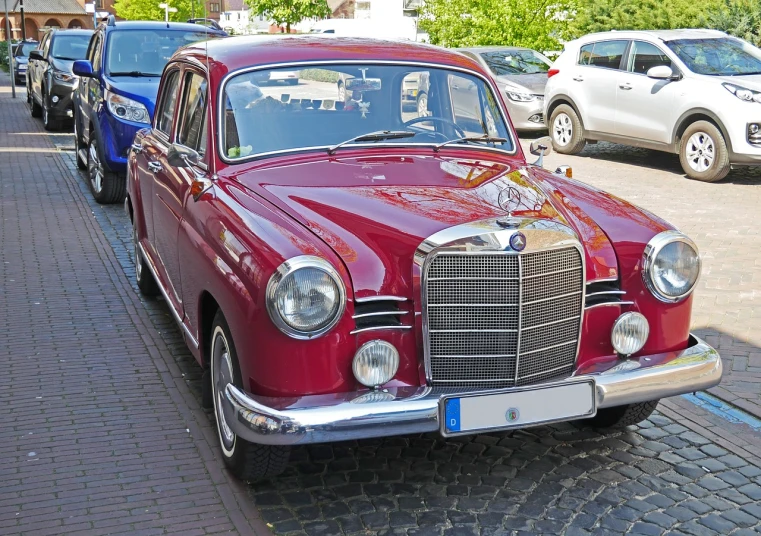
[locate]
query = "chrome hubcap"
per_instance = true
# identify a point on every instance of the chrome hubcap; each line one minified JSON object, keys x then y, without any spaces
{"x":96,"y":172}
{"x":138,"y":259}
{"x":221,"y":376}
{"x":700,"y":152}
{"x":422,"y":106}
{"x":562,"y":129}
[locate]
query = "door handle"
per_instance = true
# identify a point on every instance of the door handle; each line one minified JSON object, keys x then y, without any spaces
{"x":626,"y":86}
{"x":137,"y":148}
{"x":578,"y":78}
{"x":155,"y":166}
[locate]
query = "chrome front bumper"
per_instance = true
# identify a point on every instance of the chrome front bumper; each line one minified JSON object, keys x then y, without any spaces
{"x":398,"y":411}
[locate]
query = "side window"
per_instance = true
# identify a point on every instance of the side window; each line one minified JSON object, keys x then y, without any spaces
{"x":193,"y":127}
{"x":466,"y":105}
{"x":415,"y":96}
{"x":95,"y":52}
{"x":165,"y":114}
{"x":644,"y":56}
{"x":605,"y":54}
{"x":45,"y":45}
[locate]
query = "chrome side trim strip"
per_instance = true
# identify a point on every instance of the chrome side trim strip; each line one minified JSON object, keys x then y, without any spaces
{"x":175,"y":314}
{"x":379,"y":298}
{"x":604,"y":292}
{"x":380,"y":313}
{"x":375,"y":328}
{"x":608,"y":303}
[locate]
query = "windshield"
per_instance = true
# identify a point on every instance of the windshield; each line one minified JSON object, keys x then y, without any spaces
{"x":276,"y":110}
{"x":70,"y":47}
{"x":146,"y":52}
{"x":718,"y":57}
{"x":25,"y":48}
{"x":507,"y":62}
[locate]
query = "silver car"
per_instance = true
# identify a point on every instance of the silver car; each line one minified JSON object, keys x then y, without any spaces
{"x":521,"y":74}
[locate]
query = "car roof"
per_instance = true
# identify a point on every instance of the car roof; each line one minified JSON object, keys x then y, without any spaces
{"x":663,"y":35}
{"x":77,"y":31}
{"x":156,"y":25}
{"x":492,"y":48}
{"x":238,"y":52}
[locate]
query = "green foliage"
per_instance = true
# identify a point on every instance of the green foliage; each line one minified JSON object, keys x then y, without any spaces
{"x":320,"y":75}
{"x":289,"y":12}
{"x":538,"y":24}
{"x":605,"y":15}
{"x":741,"y":18}
{"x":150,"y":10}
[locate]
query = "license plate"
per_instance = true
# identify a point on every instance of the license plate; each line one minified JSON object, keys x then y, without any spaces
{"x":519,"y":408}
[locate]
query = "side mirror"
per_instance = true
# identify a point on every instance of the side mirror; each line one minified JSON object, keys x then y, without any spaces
{"x":660,"y":72}
{"x":36,"y":55}
{"x":541,"y":147}
{"x":82,"y":68}
{"x":181,"y":156}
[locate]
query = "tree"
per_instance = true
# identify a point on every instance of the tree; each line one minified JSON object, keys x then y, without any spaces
{"x":290,"y":12}
{"x":150,"y":10}
{"x":741,"y":18}
{"x":538,"y":24}
{"x":605,"y":15}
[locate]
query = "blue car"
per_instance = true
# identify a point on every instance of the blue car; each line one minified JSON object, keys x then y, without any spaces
{"x":117,"y":91}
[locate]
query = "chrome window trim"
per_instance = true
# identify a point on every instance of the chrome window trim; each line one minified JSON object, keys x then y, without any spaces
{"x":423,"y":65}
{"x":288,"y":267}
{"x":652,"y":249}
{"x":492,"y":239}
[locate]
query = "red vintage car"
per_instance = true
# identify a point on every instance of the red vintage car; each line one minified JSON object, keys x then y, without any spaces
{"x":348,"y":267}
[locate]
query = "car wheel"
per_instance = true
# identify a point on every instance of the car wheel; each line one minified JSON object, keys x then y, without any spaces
{"x":566,"y":131}
{"x":621,"y":416}
{"x":341,"y":92}
{"x":106,"y":186}
{"x":34,"y":108}
{"x":78,"y":146}
{"x":248,"y":461}
{"x":48,"y":122}
{"x":145,"y":280}
{"x":703,"y":152}
{"x":422,"y":105}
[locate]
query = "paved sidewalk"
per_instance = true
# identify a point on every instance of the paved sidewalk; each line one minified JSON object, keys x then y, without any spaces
{"x":99,"y":432}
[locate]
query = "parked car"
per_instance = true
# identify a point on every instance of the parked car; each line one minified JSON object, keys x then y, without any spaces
{"x":50,"y":80}
{"x":116,"y":95}
{"x":21,"y":59}
{"x":346,"y":272}
{"x":689,"y":92}
{"x":521,"y":74}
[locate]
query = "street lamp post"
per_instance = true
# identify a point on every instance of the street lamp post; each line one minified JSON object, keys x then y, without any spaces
{"x":167,"y":11}
{"x":10,"y":50}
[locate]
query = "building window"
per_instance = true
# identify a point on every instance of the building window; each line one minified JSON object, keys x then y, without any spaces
{"x":214,"y":7}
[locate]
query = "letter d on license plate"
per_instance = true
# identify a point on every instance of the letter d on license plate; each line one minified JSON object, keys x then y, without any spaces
{"x":520,"y":407}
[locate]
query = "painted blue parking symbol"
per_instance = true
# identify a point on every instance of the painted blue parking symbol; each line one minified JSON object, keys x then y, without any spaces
{"x":452,"y":415}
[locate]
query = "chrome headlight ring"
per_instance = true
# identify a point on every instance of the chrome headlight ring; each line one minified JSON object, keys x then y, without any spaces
{"x":650,"y":256}
{"x":285,"y":270}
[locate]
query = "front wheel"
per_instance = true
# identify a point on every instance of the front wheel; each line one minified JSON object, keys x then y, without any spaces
{"x":106,"y":186}
{"x":248,"y":461}
{"x":621,"y":416}
{"x":422,"y":104}
{"x":48,"y":122}
{"x":703,"y":152}
{"x":566,"y":131}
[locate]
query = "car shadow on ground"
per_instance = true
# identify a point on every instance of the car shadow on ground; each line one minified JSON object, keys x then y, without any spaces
{"x":556,"y":479}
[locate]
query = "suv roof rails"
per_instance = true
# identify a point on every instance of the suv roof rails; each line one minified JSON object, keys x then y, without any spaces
{"x":206,"y":22}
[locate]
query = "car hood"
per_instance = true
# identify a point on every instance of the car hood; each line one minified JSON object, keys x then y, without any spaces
{"x":374,"y":212}
{"x":62,"y":65}
{"x":530,"y":83}
{"x":751,"y":81}
{"x":143,"y":90}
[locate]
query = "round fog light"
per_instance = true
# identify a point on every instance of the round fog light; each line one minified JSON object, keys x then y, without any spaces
{"x":375,"y":363}
{"x":630,"y":333}
{"x":54,"y":98}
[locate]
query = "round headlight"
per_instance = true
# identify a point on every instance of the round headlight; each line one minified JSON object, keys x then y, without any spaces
{"x":375,"y":363}
{"x":671,"y":266}
{"x":305,"y":297}
{"x":629,"y":333}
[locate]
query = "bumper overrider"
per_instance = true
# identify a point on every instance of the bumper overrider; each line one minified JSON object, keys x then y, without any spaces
{"x":398,"y":411}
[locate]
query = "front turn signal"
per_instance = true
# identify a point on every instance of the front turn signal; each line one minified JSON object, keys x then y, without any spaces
{"x":565,"y":171}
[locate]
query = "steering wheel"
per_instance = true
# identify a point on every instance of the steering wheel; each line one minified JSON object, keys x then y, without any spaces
{"x":460,"y":132}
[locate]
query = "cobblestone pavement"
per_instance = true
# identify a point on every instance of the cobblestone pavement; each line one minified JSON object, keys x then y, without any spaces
{"x":99,"y":433}
{"x":686,"y":471}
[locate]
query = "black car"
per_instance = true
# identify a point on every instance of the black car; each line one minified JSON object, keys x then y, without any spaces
{"x":20,"y":58}
{"x":49,"y":80}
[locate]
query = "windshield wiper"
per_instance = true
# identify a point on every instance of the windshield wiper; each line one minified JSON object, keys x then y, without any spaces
{"x":380,"y":135}
{"x":485,"y":139}
{"x":136,"y":74}
{"x":65,"y":58}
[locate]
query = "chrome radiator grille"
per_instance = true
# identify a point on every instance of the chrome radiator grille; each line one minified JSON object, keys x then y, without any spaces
{"x":497,"y":320}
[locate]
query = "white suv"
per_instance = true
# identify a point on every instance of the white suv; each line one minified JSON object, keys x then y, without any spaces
{"x":692,"y":92}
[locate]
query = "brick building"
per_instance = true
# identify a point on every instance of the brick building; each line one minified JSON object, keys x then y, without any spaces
{"x":40,"y":15}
